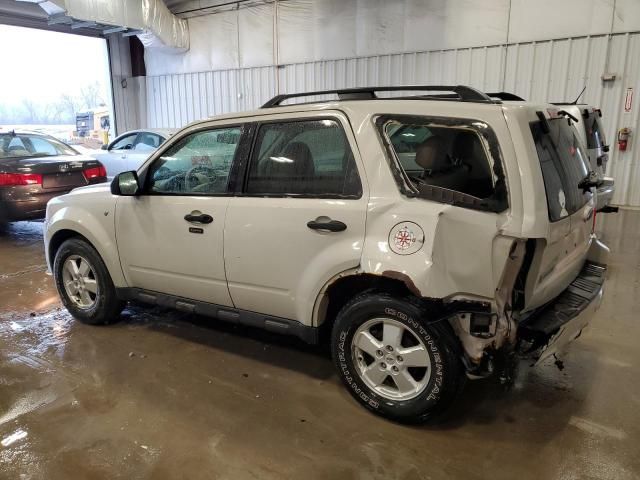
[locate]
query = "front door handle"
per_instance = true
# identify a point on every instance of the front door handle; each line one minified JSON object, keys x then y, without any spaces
{"x":197,"y":217}
{"x":330,"y":225}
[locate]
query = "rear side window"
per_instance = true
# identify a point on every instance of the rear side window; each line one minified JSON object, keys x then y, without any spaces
{"x":564,"y":165}
{"x":447,"y":160}
{"x":305,"y":158}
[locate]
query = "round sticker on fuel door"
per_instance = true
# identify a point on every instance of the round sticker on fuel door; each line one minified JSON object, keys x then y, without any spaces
{"x":406,"y":238}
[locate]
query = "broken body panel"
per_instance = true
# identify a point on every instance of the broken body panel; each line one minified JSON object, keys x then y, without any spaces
{"x":486,"y":269}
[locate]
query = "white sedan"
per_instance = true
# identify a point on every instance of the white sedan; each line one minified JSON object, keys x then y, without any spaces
{"x":130,"y":150}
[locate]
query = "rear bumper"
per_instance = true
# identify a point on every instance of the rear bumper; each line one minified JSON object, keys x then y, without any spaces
{"x":551,"y":328}
{"x":604,"y":194}
{"x":26,"y":203}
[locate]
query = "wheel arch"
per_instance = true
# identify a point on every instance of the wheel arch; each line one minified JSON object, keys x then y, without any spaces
{"x":94,"y":235}
{"x":345,"y":286}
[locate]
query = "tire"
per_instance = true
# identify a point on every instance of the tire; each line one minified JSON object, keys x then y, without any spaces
{"x":435,"y":344}
{"x":103,"y":306}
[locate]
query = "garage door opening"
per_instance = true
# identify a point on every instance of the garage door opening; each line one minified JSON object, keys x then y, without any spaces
{"x":58,"y":84}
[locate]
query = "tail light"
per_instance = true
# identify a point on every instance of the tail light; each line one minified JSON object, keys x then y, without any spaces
{"x":13,"y":179}
{"x":95,"y":172}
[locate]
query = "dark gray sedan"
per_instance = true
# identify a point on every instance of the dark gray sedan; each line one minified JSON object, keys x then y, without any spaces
{"x":35,"y":168}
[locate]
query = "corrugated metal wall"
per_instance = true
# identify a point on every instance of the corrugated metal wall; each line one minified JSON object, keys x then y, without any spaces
{"x":552,"y":70}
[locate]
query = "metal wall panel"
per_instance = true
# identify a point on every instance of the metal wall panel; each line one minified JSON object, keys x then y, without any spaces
{"x":553,"y":70}
{"x":127,"y":116}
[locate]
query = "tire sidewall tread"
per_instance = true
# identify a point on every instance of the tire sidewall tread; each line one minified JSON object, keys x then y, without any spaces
{"x":447,"y":377}
{"x":108,"y":306}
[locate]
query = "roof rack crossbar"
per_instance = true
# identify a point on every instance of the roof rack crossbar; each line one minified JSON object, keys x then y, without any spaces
{"x":464,"y":93}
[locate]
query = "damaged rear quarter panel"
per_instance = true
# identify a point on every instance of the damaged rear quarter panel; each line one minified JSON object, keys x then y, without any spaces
{"x":462,"y":255}
{"x":464,"y":250}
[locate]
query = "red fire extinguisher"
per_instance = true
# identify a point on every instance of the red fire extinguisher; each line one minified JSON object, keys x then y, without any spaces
{"x":623,"y":139}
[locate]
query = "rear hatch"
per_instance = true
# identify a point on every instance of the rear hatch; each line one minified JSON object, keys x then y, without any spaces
{"x":558,"y":258}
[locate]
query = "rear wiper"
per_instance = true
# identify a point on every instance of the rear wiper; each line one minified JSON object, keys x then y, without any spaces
{"x":567,"y":114}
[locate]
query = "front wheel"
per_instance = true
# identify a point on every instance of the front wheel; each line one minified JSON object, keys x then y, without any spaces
{"x":84,"y":283}
{"x":394,"y":361}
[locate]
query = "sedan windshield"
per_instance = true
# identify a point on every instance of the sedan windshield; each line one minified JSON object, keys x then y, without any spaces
{"x":21,"y":145}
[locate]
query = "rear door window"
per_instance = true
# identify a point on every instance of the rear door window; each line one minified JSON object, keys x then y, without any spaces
{"x":564,"y":165}
{"x":310,"y":158}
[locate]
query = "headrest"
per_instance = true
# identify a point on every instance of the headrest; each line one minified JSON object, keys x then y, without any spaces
{"x":465,"y":145}
{"x":295,"y":160}
{"x":432,"y":154}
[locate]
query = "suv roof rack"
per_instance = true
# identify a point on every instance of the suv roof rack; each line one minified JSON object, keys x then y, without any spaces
{"x":509,"y":97}
{"x":463,"y":94}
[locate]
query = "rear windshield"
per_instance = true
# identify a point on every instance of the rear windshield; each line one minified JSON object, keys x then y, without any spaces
{"x":446,"y":160}
{"x":595,"y":132}
{"x":16,"y":145}
{"x":564,"y":165}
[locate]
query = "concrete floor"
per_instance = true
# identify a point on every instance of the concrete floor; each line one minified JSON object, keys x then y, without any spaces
{"x":166,"y":395}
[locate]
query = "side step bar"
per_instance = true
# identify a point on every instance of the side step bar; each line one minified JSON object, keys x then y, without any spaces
{"x":228,"y":314}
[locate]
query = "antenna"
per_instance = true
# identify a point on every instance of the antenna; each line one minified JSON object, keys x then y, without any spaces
{"x":578,"y":97}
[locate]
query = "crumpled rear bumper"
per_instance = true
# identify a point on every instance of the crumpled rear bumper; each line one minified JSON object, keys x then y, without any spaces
{"x":551,"y":328}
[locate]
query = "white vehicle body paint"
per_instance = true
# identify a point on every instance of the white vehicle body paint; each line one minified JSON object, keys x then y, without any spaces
{"x":261,"y":249}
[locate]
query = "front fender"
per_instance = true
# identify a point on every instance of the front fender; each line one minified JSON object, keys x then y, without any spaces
{"x":94,"y":222}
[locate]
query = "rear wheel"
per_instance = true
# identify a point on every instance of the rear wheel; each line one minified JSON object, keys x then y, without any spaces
{"x":394,"y":361}
{"x":84,"y":283}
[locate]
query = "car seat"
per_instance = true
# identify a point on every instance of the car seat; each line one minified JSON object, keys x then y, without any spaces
{"x":439,"y":169}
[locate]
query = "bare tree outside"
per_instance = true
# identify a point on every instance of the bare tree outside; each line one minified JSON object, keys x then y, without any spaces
{"x":91,"y":96}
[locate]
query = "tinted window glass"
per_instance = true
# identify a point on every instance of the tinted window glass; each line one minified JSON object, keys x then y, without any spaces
{"x":564,"y":165}
{"x":32,"y":146}
{"x":147,"y":141}
{"x":595,"y":132}
{"x":303,"y":158}
{"x":125,"y":143}
{"x":41,"y":146}
{"x":444,"y":157}
{"x":199,"y":164}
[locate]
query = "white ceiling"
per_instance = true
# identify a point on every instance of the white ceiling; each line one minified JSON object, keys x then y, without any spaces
{"x":190,"y":8}
{"x":26,"y":14}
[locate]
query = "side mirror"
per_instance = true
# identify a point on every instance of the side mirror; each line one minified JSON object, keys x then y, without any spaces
{"x":104,"y":147}
{"x":125,"y":184}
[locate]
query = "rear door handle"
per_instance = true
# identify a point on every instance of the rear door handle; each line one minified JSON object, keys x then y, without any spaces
{"x":330,"y":225}
{"x":197,"y":217}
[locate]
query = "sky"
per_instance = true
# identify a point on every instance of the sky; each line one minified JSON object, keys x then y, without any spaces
{"x":41,"y":66}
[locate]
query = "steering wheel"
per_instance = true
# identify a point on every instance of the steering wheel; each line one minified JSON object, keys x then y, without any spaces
{"x":191,"y":180}
{"x":163,"y":173}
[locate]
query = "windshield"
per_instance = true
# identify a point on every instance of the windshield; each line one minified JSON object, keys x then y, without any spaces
{"x":17,"y":145}
{"x":564,"y":165}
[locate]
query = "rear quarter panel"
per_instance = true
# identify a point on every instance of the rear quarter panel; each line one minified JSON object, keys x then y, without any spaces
{"x":464,"y":251}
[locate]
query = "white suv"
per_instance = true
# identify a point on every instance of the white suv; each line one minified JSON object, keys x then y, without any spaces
{"x":432,"y":236}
